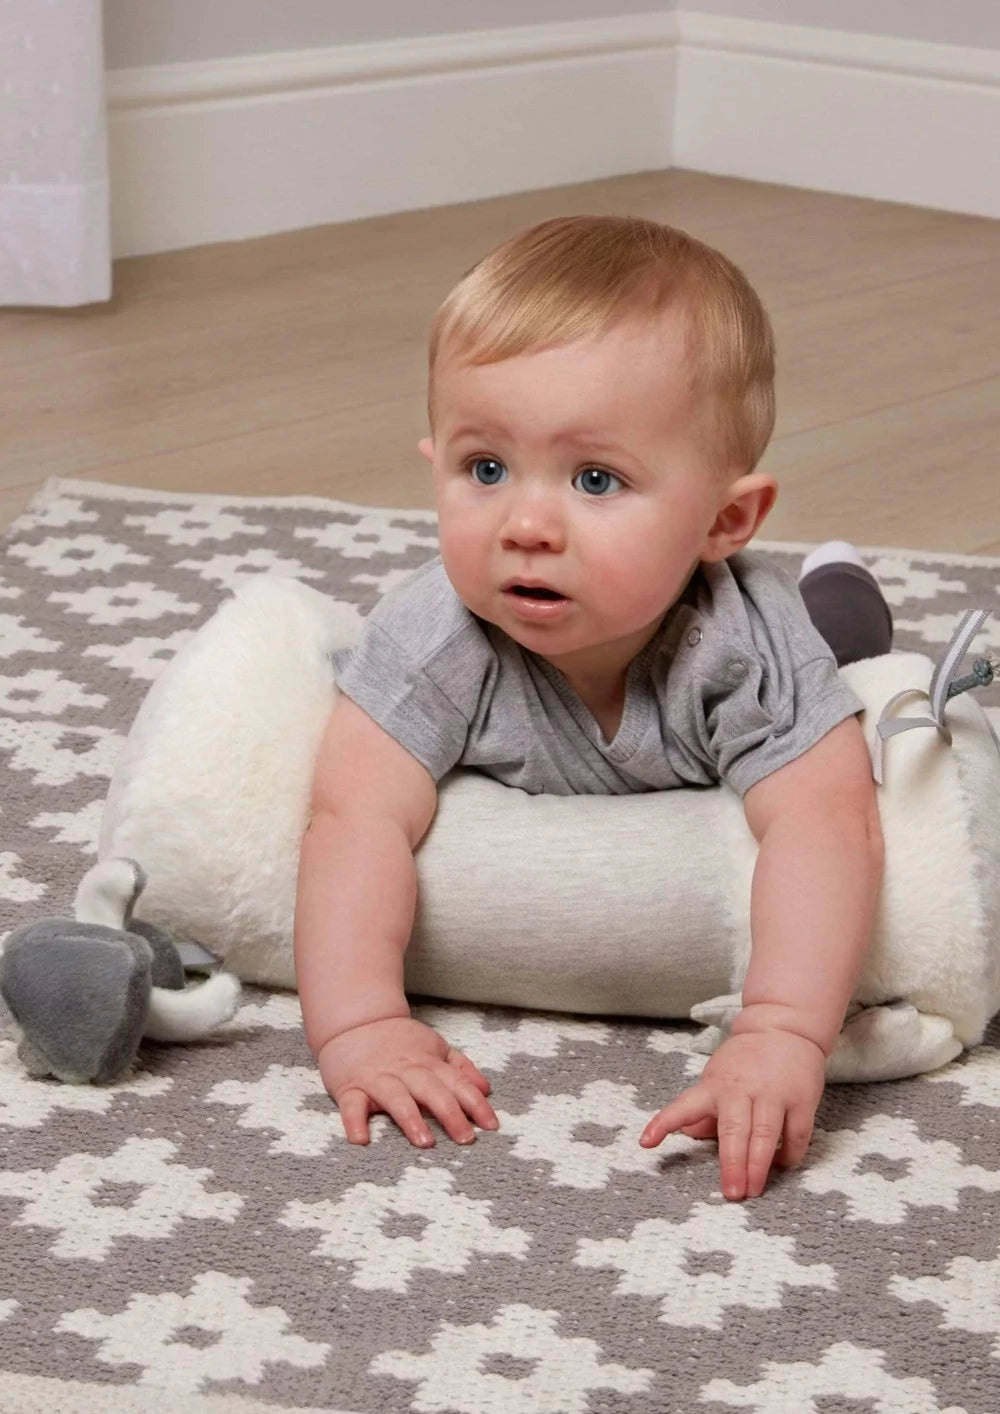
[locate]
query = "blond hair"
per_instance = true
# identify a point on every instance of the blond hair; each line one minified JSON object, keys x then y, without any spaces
{"x":577,"y":276}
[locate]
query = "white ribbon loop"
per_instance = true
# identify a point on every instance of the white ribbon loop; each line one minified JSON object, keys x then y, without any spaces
{"x":937,"y":694}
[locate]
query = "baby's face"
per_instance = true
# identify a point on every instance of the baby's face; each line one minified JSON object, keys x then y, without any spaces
{"x":575,"y":490}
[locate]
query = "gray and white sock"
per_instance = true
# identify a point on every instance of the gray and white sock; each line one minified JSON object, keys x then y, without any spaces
{"x":833,"y":552}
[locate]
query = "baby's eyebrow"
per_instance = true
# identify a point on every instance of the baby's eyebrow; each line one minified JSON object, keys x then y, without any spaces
{"x":568,"y":436}
{"x":594,"y":443}
{"x":581,"y":439}
{"x":482,"y":430}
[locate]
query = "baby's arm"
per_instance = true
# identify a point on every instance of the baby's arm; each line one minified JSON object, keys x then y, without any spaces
{"x":372,"y":802}
{"x":815,"y":888}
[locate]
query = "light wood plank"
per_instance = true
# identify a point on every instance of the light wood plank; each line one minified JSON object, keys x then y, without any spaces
{"x":849,"y":356}
{"x":365,"y":453}
{"x":14,"y":500}
{"x":296,"y":363}
{"x":183,"y":394}
{"x":922,"y":474}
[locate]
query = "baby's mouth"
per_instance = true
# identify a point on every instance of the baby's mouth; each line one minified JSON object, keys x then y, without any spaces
{"x":528,"y":591}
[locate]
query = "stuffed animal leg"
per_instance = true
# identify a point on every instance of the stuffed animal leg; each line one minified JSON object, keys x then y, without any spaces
{"x":883,"y":1042}
{"x":83,"y":992}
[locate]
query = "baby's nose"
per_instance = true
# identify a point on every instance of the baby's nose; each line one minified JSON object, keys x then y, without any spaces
{"x":535,"y":523}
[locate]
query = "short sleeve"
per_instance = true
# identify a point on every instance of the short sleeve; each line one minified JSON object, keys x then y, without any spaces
{"x":765,"y":684}
{"x":419,"y":669}
{"x":755,"y":730}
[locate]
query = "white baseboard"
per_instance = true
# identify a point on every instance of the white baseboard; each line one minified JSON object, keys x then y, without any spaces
{"x":898,"y":120}
{"x":243,"y":147}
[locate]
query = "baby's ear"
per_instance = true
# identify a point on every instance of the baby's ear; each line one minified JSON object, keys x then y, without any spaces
{"x":426,"y":448}
{"x":746,"y":504}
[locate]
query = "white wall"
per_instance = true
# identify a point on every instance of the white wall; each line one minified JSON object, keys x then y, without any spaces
{"x":969,"y":22}
{"x":139,"y":32}
{"x":235,"y":118}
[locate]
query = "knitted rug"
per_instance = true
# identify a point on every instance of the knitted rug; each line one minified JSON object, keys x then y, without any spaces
{"x":202,"y":1238}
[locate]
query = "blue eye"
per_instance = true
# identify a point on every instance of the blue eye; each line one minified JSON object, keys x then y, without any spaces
{"x":487,"y":471}
{"x":594,"y":481}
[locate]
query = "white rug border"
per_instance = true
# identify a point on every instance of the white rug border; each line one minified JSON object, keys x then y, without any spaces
{"x":110,"y":491}
{"x":106,"y":490}
{"x":52,"y":1394}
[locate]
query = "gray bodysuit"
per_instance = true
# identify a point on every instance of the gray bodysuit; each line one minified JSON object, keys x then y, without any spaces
{"x":735,"y":683}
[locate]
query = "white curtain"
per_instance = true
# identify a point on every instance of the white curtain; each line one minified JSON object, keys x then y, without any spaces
{"x":55,"y":243}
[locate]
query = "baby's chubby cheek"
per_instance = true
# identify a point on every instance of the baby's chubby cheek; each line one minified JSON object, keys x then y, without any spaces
{"x":466,"y":567}
{"x":631,"y":590}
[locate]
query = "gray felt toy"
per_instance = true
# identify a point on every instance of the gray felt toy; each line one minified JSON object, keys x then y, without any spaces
{"x":84,"y":991}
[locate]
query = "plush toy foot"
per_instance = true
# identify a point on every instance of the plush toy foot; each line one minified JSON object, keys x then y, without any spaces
{"x":35,"y":1063}
{"x":890,"y":1042}
{"x":886,"y":1042}
{"x":716,"y":1016}
{"x":83,"y":991}
{"x":78,"y":994}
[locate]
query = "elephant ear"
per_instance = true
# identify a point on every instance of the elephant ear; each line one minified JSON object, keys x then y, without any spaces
{"x":79,"y":993}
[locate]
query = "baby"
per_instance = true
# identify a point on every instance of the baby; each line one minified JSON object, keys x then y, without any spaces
{"x":601,"y":391}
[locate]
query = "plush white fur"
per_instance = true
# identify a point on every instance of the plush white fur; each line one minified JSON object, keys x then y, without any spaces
{"x":211,"y":790}
{"x":193,"y":1012}
{"x":633,"y":905}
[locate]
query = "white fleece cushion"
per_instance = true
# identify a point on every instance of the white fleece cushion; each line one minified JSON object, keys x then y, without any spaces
{"x":631,"y":905}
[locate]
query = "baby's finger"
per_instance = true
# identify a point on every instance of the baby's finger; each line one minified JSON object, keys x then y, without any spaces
{"x":468,"y":1095}
{"x":694,"y":1108}
{"x":440,"y":1100}
{"x":768,"y":1119}
{"x":354,"y":1110}
{"x":704,"y":1129}
{"x":734,"y":1136}
{"x":473,"y":1102}
{"x":795,"y":1140}
{"x":395,"y":1097}
{"x":471,"y":1072}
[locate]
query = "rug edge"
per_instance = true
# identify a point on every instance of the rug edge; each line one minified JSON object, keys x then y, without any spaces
{"x":56,"y":486}
{"x":42,"y":1394}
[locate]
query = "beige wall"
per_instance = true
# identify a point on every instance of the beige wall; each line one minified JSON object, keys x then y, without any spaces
{"x":170,"y":31}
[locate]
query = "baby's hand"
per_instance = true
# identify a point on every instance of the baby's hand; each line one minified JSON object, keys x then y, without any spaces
{"x":400,"y":1065}
{"x":758,"y":1088}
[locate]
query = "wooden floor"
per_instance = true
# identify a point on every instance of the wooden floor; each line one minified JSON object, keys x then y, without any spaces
{"x":296,"y":363}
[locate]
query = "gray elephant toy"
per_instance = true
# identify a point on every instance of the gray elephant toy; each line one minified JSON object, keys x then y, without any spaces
{"x":84,"y":991}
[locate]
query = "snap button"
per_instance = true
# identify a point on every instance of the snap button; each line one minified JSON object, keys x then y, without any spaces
{"x":738,"y":669}
{"x":694,"y":637}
